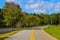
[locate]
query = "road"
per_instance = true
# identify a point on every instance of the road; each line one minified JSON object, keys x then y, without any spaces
{"x":36,"y":33}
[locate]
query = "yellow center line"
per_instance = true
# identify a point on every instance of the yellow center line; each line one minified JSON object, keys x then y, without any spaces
{"x":32,"y":35}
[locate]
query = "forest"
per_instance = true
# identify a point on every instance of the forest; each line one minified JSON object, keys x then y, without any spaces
{"x":11,"y":15}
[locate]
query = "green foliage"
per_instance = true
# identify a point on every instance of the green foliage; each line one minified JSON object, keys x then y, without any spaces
{"x":12,"y":16}
{"x":54,"y":18}
{"x":1,"y":19}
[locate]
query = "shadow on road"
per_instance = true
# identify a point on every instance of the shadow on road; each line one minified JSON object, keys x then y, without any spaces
{"x":35,"y":28}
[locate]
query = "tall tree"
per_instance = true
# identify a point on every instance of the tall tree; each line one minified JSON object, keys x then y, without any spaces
{"x":11,"y":13}
{"x":1,"y":19}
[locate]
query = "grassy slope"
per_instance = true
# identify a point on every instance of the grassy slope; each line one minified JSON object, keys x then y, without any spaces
{"x":54,"y":31}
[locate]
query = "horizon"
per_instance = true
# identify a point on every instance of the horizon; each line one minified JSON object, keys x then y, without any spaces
{"x":34,"y":6}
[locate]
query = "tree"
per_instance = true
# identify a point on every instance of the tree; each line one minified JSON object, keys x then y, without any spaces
{"x":58,"y":15}
{"x":54,"y":19}
{"x":1,"y":19}
{"x":11,"y":14}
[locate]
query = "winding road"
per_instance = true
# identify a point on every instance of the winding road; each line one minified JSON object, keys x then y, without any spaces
{"x":36,"y":33}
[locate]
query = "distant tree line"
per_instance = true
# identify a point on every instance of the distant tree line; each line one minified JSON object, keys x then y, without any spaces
{"x":11,"y":15}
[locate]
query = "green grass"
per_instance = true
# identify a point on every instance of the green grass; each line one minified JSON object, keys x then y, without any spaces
{"x":54,"y":31}
{"x":1,"y":38}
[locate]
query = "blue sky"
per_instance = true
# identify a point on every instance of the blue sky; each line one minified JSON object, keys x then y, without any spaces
{"x":36,"y":6}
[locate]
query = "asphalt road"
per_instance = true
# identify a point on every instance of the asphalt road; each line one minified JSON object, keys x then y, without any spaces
{"x":23,"y":35}
{"x":42,"y":35}
{"x":38,"y":34}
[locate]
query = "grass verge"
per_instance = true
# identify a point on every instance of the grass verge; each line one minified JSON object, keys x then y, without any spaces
{"x":54,"y":31}
{"x":6,"y":35}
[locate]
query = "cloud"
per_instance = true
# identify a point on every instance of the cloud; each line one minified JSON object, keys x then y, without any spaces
{"x":40,"y":4}
{"x":15,"y":1}
{"x":27,"y":6}
{"x":57,"y":7}
{"x":40,"y":11}
{"x":12,"y":0}
{"x":9,"y":0}
{"x":36,"y":5}
{"x":47,"y":5}
{"x":30,"y":1}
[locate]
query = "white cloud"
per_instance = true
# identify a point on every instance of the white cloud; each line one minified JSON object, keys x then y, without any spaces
{"x":9,"y":0}
{"x":36,"y":5}
{"x":48,"y":5}
{"x":30,"y":1}
{"x":57,"y":7}
{"x":40,"y":10}
{"x":42,"y":4}
{"x":15,"y":1}
{"x":27,"y":6}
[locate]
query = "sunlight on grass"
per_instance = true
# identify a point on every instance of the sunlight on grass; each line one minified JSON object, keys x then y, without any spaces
{"x":54,"y":31}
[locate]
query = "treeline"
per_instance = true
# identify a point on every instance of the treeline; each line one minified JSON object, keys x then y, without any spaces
{"x":11,"y":15}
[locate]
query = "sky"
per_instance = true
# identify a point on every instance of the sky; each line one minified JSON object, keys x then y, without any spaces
{"x":36,"y":6}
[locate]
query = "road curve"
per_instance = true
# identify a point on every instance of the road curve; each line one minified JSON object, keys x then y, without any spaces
{"x":36,"y":33}
{"x":42,"y":35}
